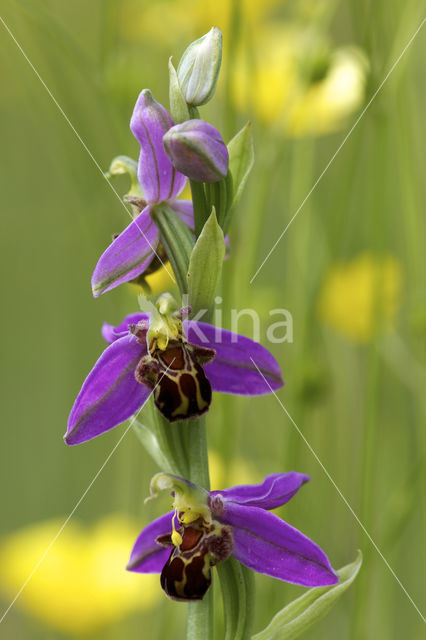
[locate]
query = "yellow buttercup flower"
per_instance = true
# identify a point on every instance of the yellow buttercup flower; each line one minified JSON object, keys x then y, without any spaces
{"x":82,"y":583}
{"x":296,"y":82}
{"x":361,"y":297}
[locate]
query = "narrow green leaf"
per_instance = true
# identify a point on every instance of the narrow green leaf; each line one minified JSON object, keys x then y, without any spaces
{"x":227,"y":203}
{"x":178,"y":107}
{"x":177,"y":241}
{"x":219,"y":197}
{"x":237,"y":585}
{"x":302,"y":613}
{"x":205,"y":266}
{"x":199,"y":202}
{"x":151,"y":444}
{"x":241,"y":159}
{"x":165,"y":445}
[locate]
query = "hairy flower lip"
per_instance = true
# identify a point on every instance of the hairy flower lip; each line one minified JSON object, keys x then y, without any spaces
{"x":261,"y":541}
{"x":110,"y":394}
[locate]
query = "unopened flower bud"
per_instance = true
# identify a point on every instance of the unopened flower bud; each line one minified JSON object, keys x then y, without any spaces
{"x":199,"y":67}
{"x":197,"y":150}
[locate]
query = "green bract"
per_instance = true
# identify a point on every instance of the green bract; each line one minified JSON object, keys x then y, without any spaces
{"x":302,"y":613}
{"x":178,"y":107}
{"x":205,"y":266}
{"x":241,"y":160}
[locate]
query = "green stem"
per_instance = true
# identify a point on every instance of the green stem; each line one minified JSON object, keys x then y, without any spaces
{"x":197,"y":452}
{"x":200,"y":618}
{"x":199,"y":203}
{"x":193,"y":112}
{"x":200,"y":614}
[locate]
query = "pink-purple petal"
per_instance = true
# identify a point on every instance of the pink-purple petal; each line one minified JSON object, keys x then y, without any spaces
{"x":238,"y":360}
{"x":274,"y":491}
{"x":185,"y":211}
{"x":110,"y":393}
{"x":266,"y":544}
{"x":128,"y":255}
{"x":147,"y":555}
{"x":111,"y":333}
{"x":157,"y":176}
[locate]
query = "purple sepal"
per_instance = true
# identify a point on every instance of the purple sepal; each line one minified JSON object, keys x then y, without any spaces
{"x":234,"y":369}
{"x":128,"y":255}
{"x":110,"y":393}
{"x":275,"y":490}
{"x":197,"y":150}
{"x":147,"y":555}
{"x":266,"y":544}
{"x":185,"y":211}
{"x":157,"y":176}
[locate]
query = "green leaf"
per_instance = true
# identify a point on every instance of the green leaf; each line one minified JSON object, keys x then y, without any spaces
{"x":164,"y":445}
{"x":178,"y":107}
{"x":219,"y":196}
{"x":177,"y":241}
{"x":151,"y":444}
{"x":302,"y":613}
{"x":205,"y":266}
{"x":241,"y":159}
{"x":237,"y":584}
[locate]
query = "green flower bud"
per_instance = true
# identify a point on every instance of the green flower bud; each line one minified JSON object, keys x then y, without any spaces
{"x":199,"y":67}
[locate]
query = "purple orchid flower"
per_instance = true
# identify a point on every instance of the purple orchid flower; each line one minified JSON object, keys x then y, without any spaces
{"x":205,"y":528}
{"x":134,"y":249}
{"x":181,"y":364}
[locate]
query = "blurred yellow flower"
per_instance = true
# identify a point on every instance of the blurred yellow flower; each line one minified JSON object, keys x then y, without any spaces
{"x":82,"y":583}
{"x":162,"y":19}
{"x":296,"y":82}
{"x":223,"y":476}
{"x":361,"y":297}
{"x":159,"y":282}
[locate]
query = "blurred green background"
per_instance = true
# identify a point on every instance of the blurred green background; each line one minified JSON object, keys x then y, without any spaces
{"x":350,"y":270}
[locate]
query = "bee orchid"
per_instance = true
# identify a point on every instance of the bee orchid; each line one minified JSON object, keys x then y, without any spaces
{"x":205,"y":528}
{"x":180,"y":361}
